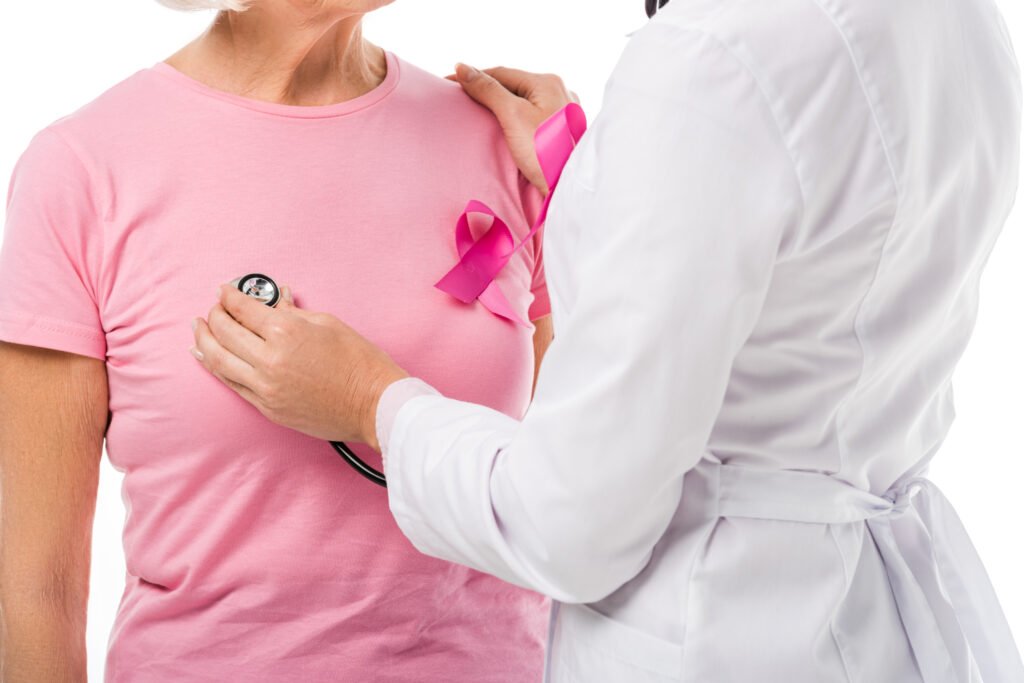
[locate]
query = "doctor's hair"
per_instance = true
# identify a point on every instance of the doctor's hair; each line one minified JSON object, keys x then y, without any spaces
{"x":226,"y":5}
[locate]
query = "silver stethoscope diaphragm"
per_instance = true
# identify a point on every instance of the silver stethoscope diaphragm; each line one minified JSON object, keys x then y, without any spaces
{"x":264,"y":289}
{"x":259,"y":287}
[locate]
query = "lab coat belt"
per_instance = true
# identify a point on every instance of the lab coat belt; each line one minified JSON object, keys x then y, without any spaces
{"x":949,"y":609}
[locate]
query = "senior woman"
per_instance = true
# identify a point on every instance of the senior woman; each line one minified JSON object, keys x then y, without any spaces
{"x":280,"y":140}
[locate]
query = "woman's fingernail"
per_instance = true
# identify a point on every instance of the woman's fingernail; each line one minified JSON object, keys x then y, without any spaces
{"x":197,"y":353}
{"x":466,"y":72}
{"x":195,"y":324}
{"x":287,"y":292}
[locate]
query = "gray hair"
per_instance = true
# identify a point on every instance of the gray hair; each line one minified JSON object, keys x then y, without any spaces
{"x":233,"y":5}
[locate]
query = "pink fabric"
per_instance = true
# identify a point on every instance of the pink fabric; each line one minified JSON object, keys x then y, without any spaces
{"x":253,"y":552}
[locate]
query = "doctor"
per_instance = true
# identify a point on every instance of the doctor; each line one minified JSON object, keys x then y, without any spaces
{"x":764,"y":260}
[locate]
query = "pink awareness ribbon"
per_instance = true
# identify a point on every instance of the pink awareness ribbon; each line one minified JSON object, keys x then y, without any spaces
{"x":481,"y":260}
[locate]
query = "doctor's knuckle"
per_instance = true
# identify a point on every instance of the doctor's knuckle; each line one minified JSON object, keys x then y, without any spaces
{"x":272,"y":365}
{"x":553,"y":81}
{"x":268,"y":391}
{"x":278,"y":328}
{"x":213,"y":361}
{"x":494,"y":90}
{"x":321,"y":318}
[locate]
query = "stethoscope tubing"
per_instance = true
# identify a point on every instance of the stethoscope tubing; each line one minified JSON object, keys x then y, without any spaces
{"x":376,"y":476}
{"x":654,"y":5}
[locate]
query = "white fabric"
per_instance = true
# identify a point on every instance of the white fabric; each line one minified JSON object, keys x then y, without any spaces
{"x":764,"y":261}
{"x":396,"y":395}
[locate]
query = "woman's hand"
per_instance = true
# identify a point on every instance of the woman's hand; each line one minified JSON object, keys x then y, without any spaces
{"x":521,"y":101}
{"x":303,"y":370}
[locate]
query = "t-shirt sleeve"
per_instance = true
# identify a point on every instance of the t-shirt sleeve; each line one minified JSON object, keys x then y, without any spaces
{"x":51,"y":253}
{"x":532,"y":203}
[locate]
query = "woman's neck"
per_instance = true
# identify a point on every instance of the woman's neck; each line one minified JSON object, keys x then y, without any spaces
{"x":276,"y":53}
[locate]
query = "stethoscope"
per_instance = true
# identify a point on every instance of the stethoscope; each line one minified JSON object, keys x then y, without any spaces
{"x":264,"y":289}
{"x":654,"y":5}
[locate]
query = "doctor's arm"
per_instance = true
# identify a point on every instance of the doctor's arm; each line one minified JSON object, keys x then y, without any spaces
{"x":686,"y":192}
{"x":53,"y":415}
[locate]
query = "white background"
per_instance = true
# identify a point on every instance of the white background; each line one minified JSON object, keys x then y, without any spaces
{"x":58,"y":54}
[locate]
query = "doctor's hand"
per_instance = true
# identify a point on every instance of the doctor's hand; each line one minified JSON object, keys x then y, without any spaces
{"x":521,"y":101}
{"x":303,"y":370}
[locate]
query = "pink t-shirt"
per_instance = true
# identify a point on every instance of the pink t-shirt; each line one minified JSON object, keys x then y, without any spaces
{"x":254,"y":553}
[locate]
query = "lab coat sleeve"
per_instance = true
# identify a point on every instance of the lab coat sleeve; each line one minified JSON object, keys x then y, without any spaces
{"x":686,"y":192}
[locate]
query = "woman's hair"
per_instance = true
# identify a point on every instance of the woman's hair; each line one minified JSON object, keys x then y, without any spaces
{"x":236,"y":5}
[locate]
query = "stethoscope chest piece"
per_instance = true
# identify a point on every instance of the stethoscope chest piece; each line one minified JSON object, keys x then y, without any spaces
{"x":259,"y":287}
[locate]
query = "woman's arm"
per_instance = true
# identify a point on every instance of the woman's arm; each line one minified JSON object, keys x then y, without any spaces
{"x":53,"y":416}
{"x":543,"y":333}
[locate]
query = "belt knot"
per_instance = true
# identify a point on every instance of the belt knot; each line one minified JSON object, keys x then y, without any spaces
{"x":902,"y":494}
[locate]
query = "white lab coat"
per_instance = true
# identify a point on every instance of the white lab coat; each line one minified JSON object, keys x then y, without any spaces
{"x":764,"y":260}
